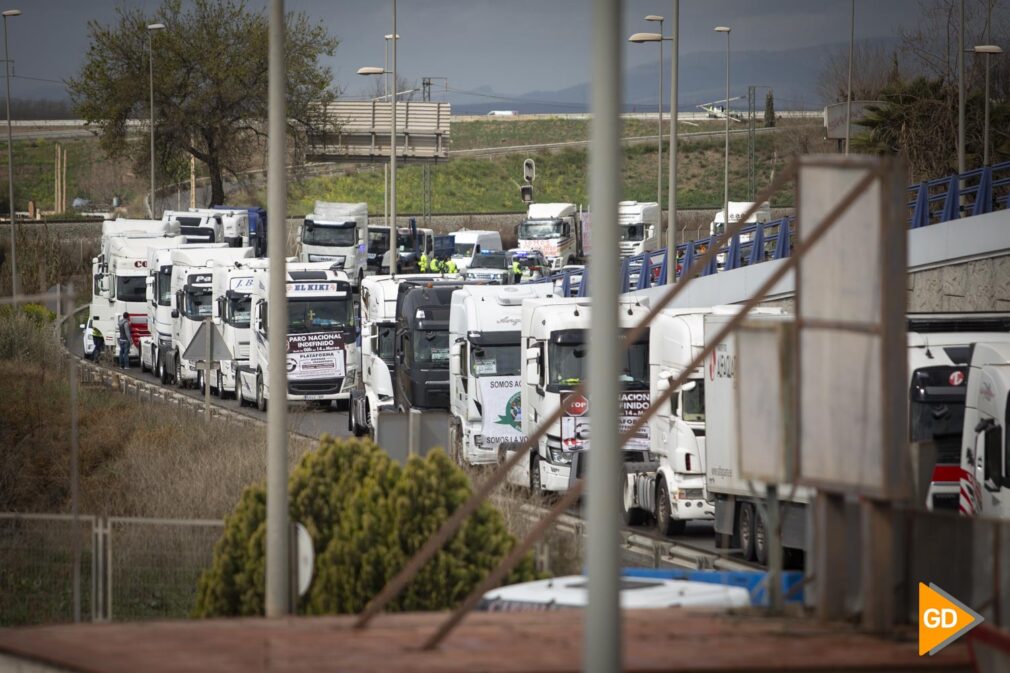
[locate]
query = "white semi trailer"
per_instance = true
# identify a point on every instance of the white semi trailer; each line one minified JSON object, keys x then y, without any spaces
{"x":322,"y":355}
{"x":485,"y":364}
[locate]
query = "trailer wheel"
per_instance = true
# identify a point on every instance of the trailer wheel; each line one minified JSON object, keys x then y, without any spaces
{"x":760,"y":540}
{"x":665,"y":522}
{"x":745,"y":526}
{"x":261,"y":400}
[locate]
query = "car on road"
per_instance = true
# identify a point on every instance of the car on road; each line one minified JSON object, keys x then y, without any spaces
{"x":88,"y":340}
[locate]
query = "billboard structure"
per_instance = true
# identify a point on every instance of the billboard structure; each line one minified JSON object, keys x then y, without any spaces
{"x":359,"y":131}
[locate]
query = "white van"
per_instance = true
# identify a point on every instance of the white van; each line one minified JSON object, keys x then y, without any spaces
{"x":470,"y":243}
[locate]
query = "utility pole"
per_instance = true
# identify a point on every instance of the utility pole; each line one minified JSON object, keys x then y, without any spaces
{"x":426,"y":166}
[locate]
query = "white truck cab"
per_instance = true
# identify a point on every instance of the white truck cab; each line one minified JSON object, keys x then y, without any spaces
{"x":485,"y":364}
{"x":469,"y":243}
{"x":234,"y":224}
{"x":192,"y":288}
{"x":159,"y":301}
{"x":639,"y":226}
{"x":322,"y":352}
{"x":336,"y":233}
{"x":556,"y":349}
{"x":197,"y":226}
{"x":985,"y":458}
{"x":554,"y":230}
{"x":233,"y":283}
{"x":378,"y":338}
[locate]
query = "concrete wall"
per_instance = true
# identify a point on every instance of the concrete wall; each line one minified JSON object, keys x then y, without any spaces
{"x":979,"y":285}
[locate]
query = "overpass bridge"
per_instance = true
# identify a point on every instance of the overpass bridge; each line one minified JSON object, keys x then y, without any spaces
{"x":958,"y":252}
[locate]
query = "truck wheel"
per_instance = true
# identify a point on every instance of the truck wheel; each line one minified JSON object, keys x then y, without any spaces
{"x":178,"y":372}
{"x":760,"y":540}
{"x":536,"y":488}
{"x":143,"y":367}
{"x":219,"y":390}
{"x":455,"y":443}
{"x":261,"y":400}
{"x":162,"y":371}
{"x":633,"y":516}
{"x":156,"y":369}
{"x":745,"y":523}
{"x":665,"y":522}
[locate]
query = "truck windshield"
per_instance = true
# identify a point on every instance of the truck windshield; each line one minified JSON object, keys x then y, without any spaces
{"x":463,"y":250}
{"x":534,"y":229}
{"x":378,"y":242}
{"x":335,"y":236}
{"x":198,"y":304}
{"x":494,"y":360}
{"x":319,"y":315}
{"x":569,"y":363}
{"x":386,"y":341}
{"x":164,"y":281}
{"x":239,"y":309}
{"x":431,"y":349}
{"x":633,"y":232}
{"x":495,"y":260}
{"x":941,"y":424}
{"x":131,"y":288}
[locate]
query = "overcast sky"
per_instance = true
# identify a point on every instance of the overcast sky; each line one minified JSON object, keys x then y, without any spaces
{"x":510,"y":46}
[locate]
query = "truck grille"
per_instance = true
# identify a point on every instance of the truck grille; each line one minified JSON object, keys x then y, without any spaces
{"x":945,"y":501}
{"x":243,"y":352}
{"x":317,"y":387}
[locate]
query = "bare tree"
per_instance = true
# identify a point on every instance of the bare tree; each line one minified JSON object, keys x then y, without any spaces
{"x":403,"y":87}
{"x":872,"y":70}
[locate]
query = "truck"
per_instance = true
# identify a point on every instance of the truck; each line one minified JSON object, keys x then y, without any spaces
{"x":192,"y":285}
{"x":985,"y":460}
{"x":256,"y":227}
{"x":553,"y":229}
{"x":105,"y":310}
{"x":158,"y":294}
{"x":736,"y":210}
{"x":322,"y":354}
{"x":203,"y":226}
{"x":485,"y":363}
{"x":336,"y":233}
{"x":231,"y":297}
{"x":378,"y":337}
{"x":939,"y":347}
{"x":640,"y":226}
{"x":421,"y":349}
{"x":411,"y":244}
{"x":468,"y":244}
{"x":554,"y":333}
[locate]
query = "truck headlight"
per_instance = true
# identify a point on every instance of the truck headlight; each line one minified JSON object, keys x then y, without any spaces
{"x":560,"y":457}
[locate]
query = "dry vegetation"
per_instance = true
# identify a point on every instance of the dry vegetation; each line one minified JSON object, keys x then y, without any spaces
{"x":136,"y":459}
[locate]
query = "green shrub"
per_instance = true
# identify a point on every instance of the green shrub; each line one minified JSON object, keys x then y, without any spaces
{"x":26,"y":335}
{"x":367,"y":516}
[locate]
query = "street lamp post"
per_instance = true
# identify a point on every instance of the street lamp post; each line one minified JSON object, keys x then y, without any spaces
{"x":848,"y":94}
{"x":10,"y":156}
{"x":659,"y":164}
{"x":725,"y":194}
{"x":151,"y":30}
{"x":372,"y":70}
{"x":988,"y":50}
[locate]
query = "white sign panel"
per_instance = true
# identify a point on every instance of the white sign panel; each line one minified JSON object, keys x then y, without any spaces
{"x":315,"y":356}
{"x":502,"y":409}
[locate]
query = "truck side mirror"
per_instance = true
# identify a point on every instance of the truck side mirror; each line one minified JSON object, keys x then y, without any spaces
{"x":689,"y":386}
{"x":663,"y":382}
{"x":175,"y":313}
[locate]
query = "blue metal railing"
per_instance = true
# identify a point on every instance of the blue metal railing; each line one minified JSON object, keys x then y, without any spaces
{"x":983,"y":190}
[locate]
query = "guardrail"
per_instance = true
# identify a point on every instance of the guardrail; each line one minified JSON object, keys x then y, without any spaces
{"x":976,"y":192}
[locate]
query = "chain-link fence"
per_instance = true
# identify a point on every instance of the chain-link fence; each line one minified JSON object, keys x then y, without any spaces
{"x":37,"y":568}
{"x":130,"y":568}
{"x":153,"y":565}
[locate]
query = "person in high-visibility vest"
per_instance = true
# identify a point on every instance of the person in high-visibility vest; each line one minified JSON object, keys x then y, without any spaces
{"x":516,"y":270}
{"x":435,"y":266}
{"x":450,"y":266}
{"x":422,"y":264}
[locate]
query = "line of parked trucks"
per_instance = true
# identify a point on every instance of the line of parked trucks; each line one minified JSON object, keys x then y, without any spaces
{"x":500,"y":355}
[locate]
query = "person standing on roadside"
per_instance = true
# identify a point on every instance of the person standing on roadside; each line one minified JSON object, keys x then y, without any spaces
{"x":125,"y":339}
